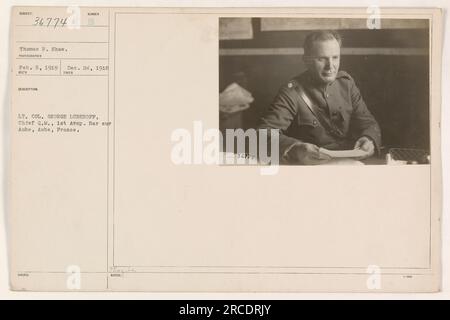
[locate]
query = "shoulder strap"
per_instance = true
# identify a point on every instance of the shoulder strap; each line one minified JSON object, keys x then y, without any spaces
{"x":316,"y":112}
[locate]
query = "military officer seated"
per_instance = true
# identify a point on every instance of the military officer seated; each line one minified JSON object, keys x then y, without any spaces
{"x":322,"y":107}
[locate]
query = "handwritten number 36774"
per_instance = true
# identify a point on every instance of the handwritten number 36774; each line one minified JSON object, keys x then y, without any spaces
{"x":50,"y":22}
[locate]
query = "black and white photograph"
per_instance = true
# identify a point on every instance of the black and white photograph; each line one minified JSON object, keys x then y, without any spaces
{"x":338,"y":90}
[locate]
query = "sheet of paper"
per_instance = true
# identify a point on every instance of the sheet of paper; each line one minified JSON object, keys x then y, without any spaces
{"x":355,"y":153}
{"x":114,"y":183}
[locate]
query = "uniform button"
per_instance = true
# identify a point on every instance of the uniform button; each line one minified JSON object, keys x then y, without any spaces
{"x":290,"y":85}
{"x":315,"y":122}
{"x":327,"y":95}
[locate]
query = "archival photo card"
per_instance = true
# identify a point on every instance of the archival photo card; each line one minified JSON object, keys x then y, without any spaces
{"x":225,"y":149}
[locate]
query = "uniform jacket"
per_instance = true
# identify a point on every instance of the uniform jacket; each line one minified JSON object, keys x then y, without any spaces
{"x":340,"y":102}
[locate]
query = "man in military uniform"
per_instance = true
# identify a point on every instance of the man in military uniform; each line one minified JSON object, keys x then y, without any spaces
{"x":321,"y":107}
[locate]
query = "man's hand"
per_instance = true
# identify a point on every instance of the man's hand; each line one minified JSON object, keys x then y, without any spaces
{"x":366,"y":144}
{"x":307,"y":154}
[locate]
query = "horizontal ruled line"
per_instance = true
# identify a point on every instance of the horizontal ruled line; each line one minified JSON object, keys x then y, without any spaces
{"x":231,"y":272}
{"x":61,"y":75}
{"x":53,"y":27}
{"x":36,"y":58}
{"x":273,"y":267}
{"x":37,"y":41}
{"x":344,"y":51}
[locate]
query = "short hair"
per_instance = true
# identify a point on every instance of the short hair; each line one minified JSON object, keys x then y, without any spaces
{"x":321,"y":35}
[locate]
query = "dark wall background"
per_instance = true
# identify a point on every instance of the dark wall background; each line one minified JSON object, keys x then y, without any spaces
{"x":395,"y":87}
